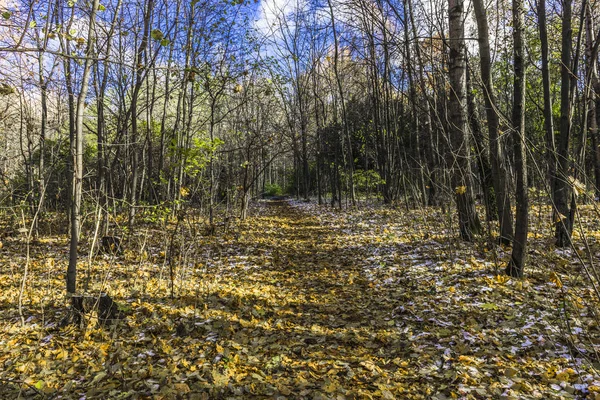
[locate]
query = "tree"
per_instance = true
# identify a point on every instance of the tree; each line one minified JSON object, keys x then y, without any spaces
{"x":482,"y":153}
{"x":100,"y":86}
{"x":519,"y":250}
{"x":140,"y":67}
{"x":497,"y":159}
{"x":592,"y":92}
{"x":346,"y":150}
{"x":548,"y":119}
{"x":468,"y":220}
{"x":561,"y":186}
{"x":77,"y":154}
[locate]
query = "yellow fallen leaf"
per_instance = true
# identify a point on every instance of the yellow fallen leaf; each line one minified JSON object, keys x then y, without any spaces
{"x":547,"y":375}
{"x":578,"y":186}
{"x":330,"y":386}
{"x":554,"y":278}
{"x":61,"y":354}
{"x":284,"y":390}
{"x":489,"y":306}
{"x":99,"y":376}
{"x":558,"y":217}
{"x":563,"y":376}
{"x":182,"y":388}
{"x":466,"y":360}
{"x":519,"y":285}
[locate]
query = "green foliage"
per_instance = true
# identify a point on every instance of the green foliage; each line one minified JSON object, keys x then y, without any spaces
{"x":158,"y":214}
{"x":273,"y":189}
{"x":198,"y":155}
{"x":157,"y":34}
{"x":364,"y":181}
{"x":155,"y":128}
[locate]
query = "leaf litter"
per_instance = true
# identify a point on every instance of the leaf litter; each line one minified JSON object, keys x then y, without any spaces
{"x":306,"y":302}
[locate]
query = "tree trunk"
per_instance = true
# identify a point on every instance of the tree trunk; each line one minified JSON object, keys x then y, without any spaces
{"x":468,"y":219}
{"x":43,"y":128}
{"x":349,"y":158}
{"x":483,"y":163}
{"x":548,"y":119}
{"x":66,"y":48}
{"x":491,"y":109}
{"x":593,"y":90}
{"x":561,"y":189}
{"x":139,"y":68}
{"x":77,"y":155}
{"x":162,"y":191}
{"x":519,"y":250}
{"x":101,"y":157}
{"x":100,"y":85}
{"x":318,"y":133}
{"x":429,"y":147}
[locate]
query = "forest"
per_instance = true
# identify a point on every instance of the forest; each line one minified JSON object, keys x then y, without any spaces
{"x":299,"y":199}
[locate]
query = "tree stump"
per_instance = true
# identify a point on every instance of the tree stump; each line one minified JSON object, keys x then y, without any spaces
{"x":108,"y":311}
{"x":75,"y":313}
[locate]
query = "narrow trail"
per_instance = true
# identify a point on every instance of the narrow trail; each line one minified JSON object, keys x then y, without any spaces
{"x":316,"y":266}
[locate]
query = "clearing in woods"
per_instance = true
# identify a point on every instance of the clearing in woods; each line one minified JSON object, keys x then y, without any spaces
{"x":302,"y":301}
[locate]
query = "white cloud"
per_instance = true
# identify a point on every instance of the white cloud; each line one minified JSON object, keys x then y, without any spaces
{"x":270,"y":12}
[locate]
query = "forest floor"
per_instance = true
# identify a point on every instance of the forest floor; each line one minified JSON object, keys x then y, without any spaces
{"x":302,"y":301}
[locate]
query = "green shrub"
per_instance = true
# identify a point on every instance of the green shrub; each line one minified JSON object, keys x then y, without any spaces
{"x":365,"y":181}
{"x":273,"y":190}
